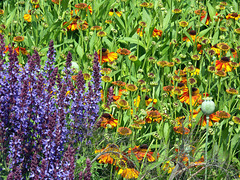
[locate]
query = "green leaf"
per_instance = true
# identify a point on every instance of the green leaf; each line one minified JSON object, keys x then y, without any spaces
{"x":211,"y":10}
{"x":10,"y":17}
{"x":167,"y":19}
{"x":132,"y":40}
{"x":205,"y":31}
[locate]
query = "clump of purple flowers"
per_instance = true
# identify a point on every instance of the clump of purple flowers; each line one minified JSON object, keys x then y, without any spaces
{"x":41,"y":113}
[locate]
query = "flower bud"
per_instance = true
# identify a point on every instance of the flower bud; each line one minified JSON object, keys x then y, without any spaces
{"x":208,"y":106}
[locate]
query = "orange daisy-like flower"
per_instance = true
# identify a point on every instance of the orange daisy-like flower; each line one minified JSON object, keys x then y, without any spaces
{"x":27,"y":17}
{"x":108,"y":119}
{"x":224,"y":64}
{"x":141,"y":151}
{"x":232,"y":91}
{"x":97,"y":28}
{"x":144,"y":4}
{"x":179,"y":130}
{"x":203,"y":120}
{"x":107,"y":56}
{"x":129,"y":172}
{"x":140,"y":31}
{"x":108,"y":158}
{"x":1,"y":11}
{"x":153,"y":115}
{"x":223,"y":114}
{"x":200,"y":12}
{"x":119,"y":83}
{"x":196,"y":96}
{"x":131,"y":87}
{"x":157,"y":32}
{"x":236,"y":119}
{"x":18,"y":38}
{"x":123,"y":51}
{"x":81,"y":6}
{"x":148,"y":100}
{"x":125,"y":131}
{"x":176,"y":11}
{"x":235,"y":16}
{"x":56,"y":1}
{"x":23,"y":50}
{"x":120,"y":92}
{"x":168,"y":88}
{"x":112,"y":11}
{"x":192,"y":34}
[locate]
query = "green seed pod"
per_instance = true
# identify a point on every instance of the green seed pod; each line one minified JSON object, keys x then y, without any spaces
{"x":208,"y":106}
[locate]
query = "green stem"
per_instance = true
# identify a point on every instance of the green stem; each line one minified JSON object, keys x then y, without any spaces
{"x":206,"y":159}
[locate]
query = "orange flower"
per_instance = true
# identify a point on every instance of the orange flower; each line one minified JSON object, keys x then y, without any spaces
{"x":234,"y":16}
{"x":236,"y":119}
{"x":124,"y":131}
{"x":153,"y":115}
{"x":140,"y":31}
{"x":1,"y":11}
{"x":81,"y":6}
{"x":157,"y":33}
{"x":76,"y":24}
{"x":108,"y":158}
{"x":179,"y":130}
{"x":224,"y":64}
{"x":167,"y":88}
{"x":203,"y":120}
{"x":123,"y":51}
{"x":129,"y":171}
{"x":232,"y":91}
{"x":23,"y":50}
{"x":148,"y":100}
{"x":196,"y":96}
{"x":192,"y":34}
{"x":107,"y":56}
{"x":18,"y":38}
{"x":142,"y":151}
{"x":120,"y":92}
{"x":119,"y":83}
{"x":108,"y":119}
{"x":56,"y":1}
{"x":223,"y":114}
{"x":111,"y":13}
{"x":27,"y":17}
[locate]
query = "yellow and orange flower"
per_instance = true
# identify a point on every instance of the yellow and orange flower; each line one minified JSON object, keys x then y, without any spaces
{"x":125,"y":131}
{"x":27,"y":17}
{"x":106,"y":56}
{"x":110,"y":153}
{"x":23,"y":50}
{"x":180,"y":130}
{"x":148,"y":100}
{"x":56,"y":1}
{"x":108,"y":119}
{"x":113,"y":11}
{"x":153,"y":115}
{"x":223,"y":114}
{"x":119,"y":83}
{"x":234,"y":16}
{"x":196,"y":96}
{"x":157,"y":33}
{"x":123,"y":51}
{"x":224,"y":64}
{"x":18,"y":38}
{"x":142,"y":151}
{"x":129,"y":171}
{"x":203,"y":120}
{"x":120,"y":92}
{"x":76,"y":24}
